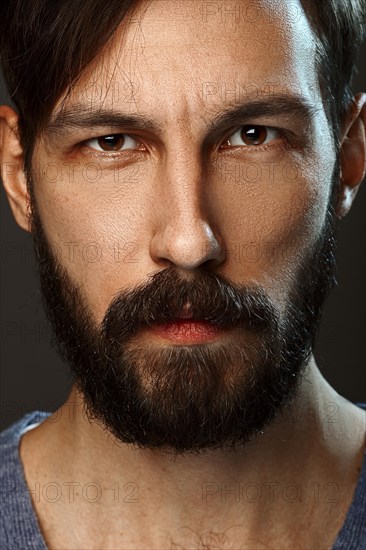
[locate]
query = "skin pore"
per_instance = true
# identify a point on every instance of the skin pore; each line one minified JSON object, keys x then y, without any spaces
{"x":174,"y":197}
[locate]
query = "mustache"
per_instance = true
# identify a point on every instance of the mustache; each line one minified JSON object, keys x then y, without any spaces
{"x":212,"y":298}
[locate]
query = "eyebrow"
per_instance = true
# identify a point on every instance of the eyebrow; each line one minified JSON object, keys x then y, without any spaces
{"x":80,"y":116}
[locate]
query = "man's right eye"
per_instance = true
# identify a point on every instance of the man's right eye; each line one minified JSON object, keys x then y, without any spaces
{"x":113,"y":142}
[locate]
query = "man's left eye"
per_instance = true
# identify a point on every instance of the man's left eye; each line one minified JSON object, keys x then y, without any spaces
{"x":250,"y":135}
{"x":114,"y":142}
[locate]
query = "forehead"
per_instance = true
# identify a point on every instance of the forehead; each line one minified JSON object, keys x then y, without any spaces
{"x":202,"y":54}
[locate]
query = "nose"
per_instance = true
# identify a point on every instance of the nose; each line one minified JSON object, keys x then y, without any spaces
{"x":185,"y":236}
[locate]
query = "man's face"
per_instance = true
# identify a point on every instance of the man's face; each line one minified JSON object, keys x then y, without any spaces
{"x":227,"y":214}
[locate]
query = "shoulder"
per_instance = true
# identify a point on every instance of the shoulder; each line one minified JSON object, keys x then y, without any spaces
{"x":353,"y":533}
{"x":14,"y":431}
{"x":9,"y":446}
{"x":15,"y":506}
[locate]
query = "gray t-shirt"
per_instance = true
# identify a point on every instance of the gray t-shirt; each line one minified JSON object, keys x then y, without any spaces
{"x":19,"y":527}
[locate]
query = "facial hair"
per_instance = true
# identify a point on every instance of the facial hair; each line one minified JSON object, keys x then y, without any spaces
{"x":187,"y":398}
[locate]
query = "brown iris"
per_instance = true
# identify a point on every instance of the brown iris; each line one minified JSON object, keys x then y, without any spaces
{"x":253,"y":135}
{"x":111,"y":143}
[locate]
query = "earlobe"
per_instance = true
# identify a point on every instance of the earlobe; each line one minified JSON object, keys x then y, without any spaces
{"x":352,"y":155}
{"x":12,"y":167}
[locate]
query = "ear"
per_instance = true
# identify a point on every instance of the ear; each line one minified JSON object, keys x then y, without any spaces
{"x":12,"y":167}
{"x":352,"y":154}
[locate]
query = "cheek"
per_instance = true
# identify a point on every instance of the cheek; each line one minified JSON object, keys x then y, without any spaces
{"x":272,"y":212}
{"x":96,"y":230}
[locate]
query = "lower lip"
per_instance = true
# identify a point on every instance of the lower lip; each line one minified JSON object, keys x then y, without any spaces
{"x":185,"y":332}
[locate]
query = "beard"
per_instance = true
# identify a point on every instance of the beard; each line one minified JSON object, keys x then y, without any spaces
{"x":187,"y":398}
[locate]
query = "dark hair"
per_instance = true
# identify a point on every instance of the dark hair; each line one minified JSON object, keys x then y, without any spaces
{"x":339,"y":27}
{"x":46,"y":44}
{"x":44,"y":47}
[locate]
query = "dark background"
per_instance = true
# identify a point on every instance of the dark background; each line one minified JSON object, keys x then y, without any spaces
{"x":33,"y":376}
